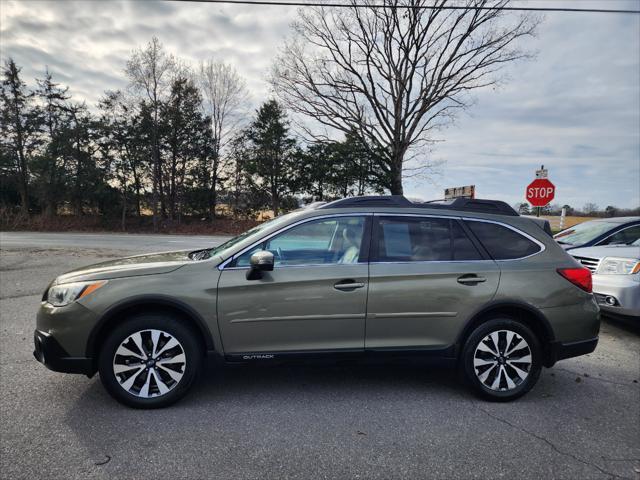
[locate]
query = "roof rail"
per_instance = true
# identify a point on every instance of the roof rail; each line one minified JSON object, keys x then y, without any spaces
{"x":496,"y":207}
{"x":370,"y":201}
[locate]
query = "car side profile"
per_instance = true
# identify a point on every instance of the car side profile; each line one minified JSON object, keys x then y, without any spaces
{"x":602,"y":232}
{"x":467,"y":282}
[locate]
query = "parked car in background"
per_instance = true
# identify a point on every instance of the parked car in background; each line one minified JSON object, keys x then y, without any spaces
{"x":467,"y":282}
{"x":605,"y":231}
{"x":616,"y":277}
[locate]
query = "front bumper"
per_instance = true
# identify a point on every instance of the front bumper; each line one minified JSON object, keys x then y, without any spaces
{"x":618,"y":294}
{"x":51,"y":354}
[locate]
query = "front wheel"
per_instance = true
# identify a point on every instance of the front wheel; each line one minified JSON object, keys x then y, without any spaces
{"x":502,"y":360}
{"x":150,"y":361}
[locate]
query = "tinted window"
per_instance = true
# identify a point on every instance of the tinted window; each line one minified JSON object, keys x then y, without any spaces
{"x":463,"y":247}
{"x":325,"y":241}
{"x":624,"y":237}
{"x":406,"y":239}
{"x":502,"y":243}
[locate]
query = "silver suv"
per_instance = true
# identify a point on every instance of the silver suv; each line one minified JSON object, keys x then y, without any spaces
{"x":467,"y":282}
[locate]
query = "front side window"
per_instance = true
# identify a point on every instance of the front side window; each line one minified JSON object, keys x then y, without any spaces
{"x":220,"y":249}
{"x":423,"y":239}
{"x":626,"y":236}
{"x":501,"y":242}
{"x":325,"y":241}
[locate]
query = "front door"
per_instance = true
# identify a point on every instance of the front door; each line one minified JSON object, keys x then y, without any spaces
{"x":426,"y":278}
{"x":313,"y":300}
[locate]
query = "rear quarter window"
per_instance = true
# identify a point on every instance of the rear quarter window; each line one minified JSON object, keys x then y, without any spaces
{"x":501,"y":242}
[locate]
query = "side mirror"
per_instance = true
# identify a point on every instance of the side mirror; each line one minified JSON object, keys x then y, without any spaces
{"x":261,"y":261}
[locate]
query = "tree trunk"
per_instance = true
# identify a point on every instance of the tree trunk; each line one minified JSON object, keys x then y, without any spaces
{"x":395,"y":176}
{"x":77,"y":201}
{"x":172,"y":188}
{"x":136,"y":183}
{"x":275,"y":202}
{"x":213,"y":193}
{"x":24,"y":179}
{"x":124,"y":210}
{"x":154,"y":197}
{"x":24,"y":198}
{"x":51,"y":208}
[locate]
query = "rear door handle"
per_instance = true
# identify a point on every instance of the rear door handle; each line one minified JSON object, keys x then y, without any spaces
{"x":348,"y":285}
{"x":471,"y":279}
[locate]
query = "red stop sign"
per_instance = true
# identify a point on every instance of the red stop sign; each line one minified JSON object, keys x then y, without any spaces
{"x":540,"y":192}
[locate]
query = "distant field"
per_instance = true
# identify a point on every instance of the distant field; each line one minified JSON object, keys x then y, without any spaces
{"x":569,"y":221}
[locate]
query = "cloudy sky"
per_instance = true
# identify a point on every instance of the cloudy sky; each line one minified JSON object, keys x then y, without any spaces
{"x":575,"y":108}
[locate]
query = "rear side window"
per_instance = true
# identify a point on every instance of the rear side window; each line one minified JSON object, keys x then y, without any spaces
{"x":423,"y":239}
{"x":502,"y":243}
{"x":463,"y":247}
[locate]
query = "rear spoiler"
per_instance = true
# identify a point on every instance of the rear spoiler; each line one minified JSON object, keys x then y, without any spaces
{"x":542,"y":223}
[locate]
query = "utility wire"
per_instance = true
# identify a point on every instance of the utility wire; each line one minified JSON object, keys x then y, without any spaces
{"x":279,"y":3}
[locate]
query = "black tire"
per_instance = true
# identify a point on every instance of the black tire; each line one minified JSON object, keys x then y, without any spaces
{"x":472,"y":351}
{"x":188,"y":343}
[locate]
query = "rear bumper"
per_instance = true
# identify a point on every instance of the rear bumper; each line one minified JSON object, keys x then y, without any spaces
{"x":49,"y":352}
{"x":560,"y":350}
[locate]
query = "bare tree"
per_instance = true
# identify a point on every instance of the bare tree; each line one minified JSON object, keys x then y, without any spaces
{"x":225,"y":98}
{"x":590,"y":208}
{"x":394,"y":74}
{"x":150,"y":71}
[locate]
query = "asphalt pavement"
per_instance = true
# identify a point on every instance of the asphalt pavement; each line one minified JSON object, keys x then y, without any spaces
{"x":582,"y":420}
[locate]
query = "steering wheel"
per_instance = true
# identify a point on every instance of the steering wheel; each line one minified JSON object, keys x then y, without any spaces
{"x":280,"y":254}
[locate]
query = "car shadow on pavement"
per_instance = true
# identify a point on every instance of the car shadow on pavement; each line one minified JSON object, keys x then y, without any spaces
{"x":251,"y":398}
{"x":628,"y":324}
{"x":233,"y":413}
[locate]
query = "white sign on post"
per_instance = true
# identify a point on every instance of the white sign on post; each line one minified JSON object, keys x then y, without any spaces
{"x":542,"y":173}
{"x":468,"y":191}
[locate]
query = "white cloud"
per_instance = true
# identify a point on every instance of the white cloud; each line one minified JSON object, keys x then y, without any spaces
{"x":576,"y":108}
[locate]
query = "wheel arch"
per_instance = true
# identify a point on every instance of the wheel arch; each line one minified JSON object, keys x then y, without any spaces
{"x":523,"y":312}
{"x":147,"y":303}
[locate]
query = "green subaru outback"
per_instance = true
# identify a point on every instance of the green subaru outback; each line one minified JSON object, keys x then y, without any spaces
{"x":466,"y":282}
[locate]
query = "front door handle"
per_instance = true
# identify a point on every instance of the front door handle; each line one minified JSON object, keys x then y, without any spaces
{"x":348,"y":285}
{"x":471,"y":279}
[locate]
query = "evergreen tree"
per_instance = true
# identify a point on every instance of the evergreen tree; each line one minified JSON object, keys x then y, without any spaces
{"x":186,"y":133}
{"x":18,"y":131}
{"x":51,"y":165}
{"x":274,"y":157}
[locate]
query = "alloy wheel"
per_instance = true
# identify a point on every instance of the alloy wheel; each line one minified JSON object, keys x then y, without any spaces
{"x":502,"y":360}
{"x":149,"y":363}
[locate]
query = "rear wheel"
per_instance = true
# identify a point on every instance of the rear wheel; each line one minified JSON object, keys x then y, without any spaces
{"x":150,"y":361}
{"x":502,"y":359}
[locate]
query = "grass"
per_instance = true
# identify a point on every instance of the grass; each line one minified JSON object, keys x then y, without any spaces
{"x":144,"y":224}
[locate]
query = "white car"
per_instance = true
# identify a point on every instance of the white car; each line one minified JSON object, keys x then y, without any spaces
{"x":616,"y":277}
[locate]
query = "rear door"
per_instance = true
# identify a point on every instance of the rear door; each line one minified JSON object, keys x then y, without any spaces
{"x":313,"y":300}
{"x":426,"y":278}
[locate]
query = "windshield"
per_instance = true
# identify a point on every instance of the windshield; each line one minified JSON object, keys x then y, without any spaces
{"x":253,"y":231}
{"x":583,"y":233}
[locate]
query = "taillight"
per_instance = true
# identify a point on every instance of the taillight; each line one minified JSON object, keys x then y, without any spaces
{"x":580,"y":277}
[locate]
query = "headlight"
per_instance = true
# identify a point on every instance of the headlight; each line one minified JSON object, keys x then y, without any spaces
{"x":64,"y":294}
{"x":618,"y":266}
